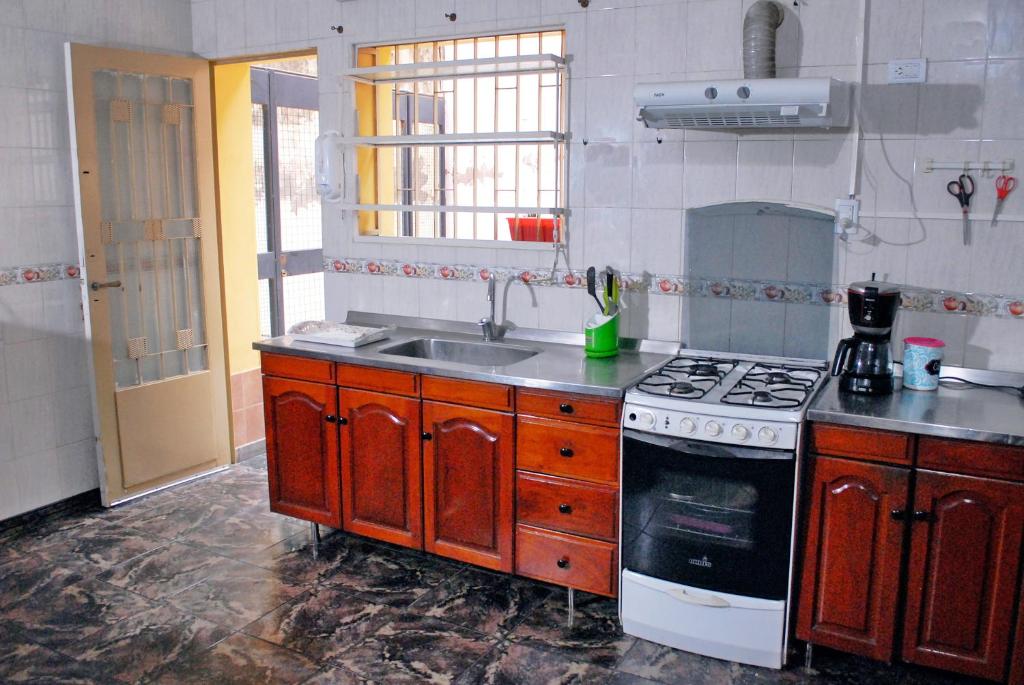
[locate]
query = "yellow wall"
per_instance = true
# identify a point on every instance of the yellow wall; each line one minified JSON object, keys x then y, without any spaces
{"x":233,"y":107}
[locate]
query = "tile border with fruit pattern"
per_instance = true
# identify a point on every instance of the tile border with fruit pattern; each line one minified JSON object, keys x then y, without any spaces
{"x":38,"y":273}
{"x":914,"y":299}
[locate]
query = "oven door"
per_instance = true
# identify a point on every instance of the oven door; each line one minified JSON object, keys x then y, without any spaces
{"x":717,"y":517}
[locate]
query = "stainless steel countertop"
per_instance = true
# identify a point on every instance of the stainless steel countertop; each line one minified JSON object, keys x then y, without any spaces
{"x":953,"y":411}
{"x":560,"y":365}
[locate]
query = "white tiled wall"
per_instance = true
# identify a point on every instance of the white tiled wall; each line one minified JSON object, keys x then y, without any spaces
{"x":46,"y":435}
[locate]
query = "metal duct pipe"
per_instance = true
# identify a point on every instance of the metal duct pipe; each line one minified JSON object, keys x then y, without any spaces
{"x":759,"y":26}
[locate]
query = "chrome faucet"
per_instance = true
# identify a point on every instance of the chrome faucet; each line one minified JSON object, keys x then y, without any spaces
{"x":492,"y":331}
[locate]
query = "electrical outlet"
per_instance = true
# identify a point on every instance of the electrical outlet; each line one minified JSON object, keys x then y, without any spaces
{"x":908,"y":71}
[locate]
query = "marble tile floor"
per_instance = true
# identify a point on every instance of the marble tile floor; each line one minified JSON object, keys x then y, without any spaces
{"x":203,"y":584}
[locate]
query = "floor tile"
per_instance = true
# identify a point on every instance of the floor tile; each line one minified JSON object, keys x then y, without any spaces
{"x":236,"y":595}
{"x":332,"y":674}
{"x":94,"y":548}
{"x":176,"y":518}
{"x":596,"y":635}
{"x":322,"y":623}
{"x":25,"y":575}
{"x":667,"y":665}
{"x":415,"y":649}
{"x":486,"y":602}
{"x":242,"y":532}
{"x":517,"y":664}
{"x":293,"y":558}
{"x":166,"y":571}
{"x":29,"y":663}
{"x":241,"y":660}
{"x":140,"y":645}
{"x":62,"y":615}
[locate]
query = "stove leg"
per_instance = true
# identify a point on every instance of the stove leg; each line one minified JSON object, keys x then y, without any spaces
{"x":314,"y":536}
{"x":809,"y":657}
{"x":572,"y":608}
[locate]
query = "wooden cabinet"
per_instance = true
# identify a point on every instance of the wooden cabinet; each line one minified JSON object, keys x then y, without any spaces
{"x":380,"y":466}
{"x":850,"y":579}
{"x":302,"y":449}
{"x":962,"y":579}
{"x":468,"y":464}
{"x":568,"y":560}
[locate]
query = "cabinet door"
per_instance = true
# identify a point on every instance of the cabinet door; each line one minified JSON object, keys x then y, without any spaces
{"x":851,"y":561}
{"x":468,"y":484}
{"x":380,"y":466}
{"x":962,"y":583}
{"x":302,"y":449}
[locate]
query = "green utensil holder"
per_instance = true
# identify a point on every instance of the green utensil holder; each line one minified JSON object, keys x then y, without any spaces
{"x":602,"y":336}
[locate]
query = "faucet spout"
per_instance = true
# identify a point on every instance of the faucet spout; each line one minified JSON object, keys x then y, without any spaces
{"x":490,"y":329}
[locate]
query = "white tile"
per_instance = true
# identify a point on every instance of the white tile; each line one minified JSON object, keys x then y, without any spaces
{"x":32,"y":423}
{"x":204,"y":27}
{"x":517,"y":305}
{"x":708,"y":246}
{"x":560,"y":309}
{"x":829,"y":30}
{"x":656,"y":245}
{"x":6,"y":434}
{"x":663,"y":312}
{"x":886,"y":175}
{"x":22,"y":313}
{"x":949,"y":328}
{"x":894,"y":30}
{"x":73,"y":413}
{"x":996,"y":256}
{"x":71,"y":361}
{"x":607,"y":237}
{"x":879,"y":247}
{"x":608,"y":181}
{"x":51,"y":180}
{"x":714,"y":35}
{"x":1004,"y":100}
{"x":77,"y":468}
{"x":951,"y":102}
{"x":430,"y":14}
{"x":994,"y":343}
{"x":712,"y":175}
{"x":12,"y":56}
{"x":1005,"y":29}
{"x":38,"y":483}
{"x":955,"y":29}
{"x":230,"y":26}
{"x":888,"y":110}
{"x":10,"y":504}
{"x":706,"y":322}
{"x":436,"y":300}
{"x":930,"y":194}
{"x":821,"y":170}
{"x":12,"y":13}
{"x":259,"y":22}
{"x":522,"y":9}
{"x":764,"y":170}
{"x":336,"y":296}
{"x":19,"y":237}
{"x":47,"y":119}
{"x":984,"y":200}
{"x":14,"y":114}
{"x":757,"y":328}
{"x":610,"y":42}
{"x":609,"y":104}
{"x":806,"y":331}
{"x":760,"y":248}
{"x":660,"y":39}
{"x":940,"y":259}
{"x":658,"y":175}
{"x":29,"y":369}
{"x":292,"y":19}
{"x":16,"y":177}
{"x":476,"y":11}
{"x":811,"y":256}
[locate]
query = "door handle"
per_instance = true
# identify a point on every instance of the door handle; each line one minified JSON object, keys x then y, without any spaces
{"x":96,"y":285}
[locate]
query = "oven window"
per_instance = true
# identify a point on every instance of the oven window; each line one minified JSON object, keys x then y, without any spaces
{"x":707,"y":509}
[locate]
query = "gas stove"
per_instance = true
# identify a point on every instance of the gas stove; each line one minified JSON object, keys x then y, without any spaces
{"x":724,"y":398}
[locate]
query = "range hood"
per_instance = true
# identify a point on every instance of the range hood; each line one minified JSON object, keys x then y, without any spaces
{"x":744,"y":103}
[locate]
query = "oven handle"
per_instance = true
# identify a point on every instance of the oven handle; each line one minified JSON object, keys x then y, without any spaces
{"x":705,"y":449}
{"x":713,"y":601}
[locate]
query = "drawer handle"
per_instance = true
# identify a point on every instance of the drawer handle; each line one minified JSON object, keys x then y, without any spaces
{"x":566,"y":452}
{"x":563,"y":562}
{"x":898,"y":514}
{"x":565,"y":508}
{"x":922,"y":516}
{"x":342,"y":421}
{"x":428,"y":436}
{"x":565,"y":408}
{"x":331,"y":418}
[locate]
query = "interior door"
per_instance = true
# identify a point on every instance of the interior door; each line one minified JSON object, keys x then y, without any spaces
{"x":141,"y":128}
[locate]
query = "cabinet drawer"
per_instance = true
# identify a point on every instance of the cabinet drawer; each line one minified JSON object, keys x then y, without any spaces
{"x":560,"y":448}
{"x":380,"y":380}
{"x":287,"y":366}
{"x":567,"y":505}
{"x":862,"y":443}
{"x":571,"y":407}
{"x":472,"y":393}
{"x":971,"y":458}
{"x":567,"y":560}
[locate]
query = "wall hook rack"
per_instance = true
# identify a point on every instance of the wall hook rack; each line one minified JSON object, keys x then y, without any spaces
{"x":985,"y":167}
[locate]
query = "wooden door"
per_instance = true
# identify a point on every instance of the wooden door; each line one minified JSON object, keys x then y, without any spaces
{"x":302,"y":449}
{"x":141,"y":132}
{"x":468,"y":484}
{"x":963,"y":573}
{"x":851,"y":558}
{"x":381,"y":466}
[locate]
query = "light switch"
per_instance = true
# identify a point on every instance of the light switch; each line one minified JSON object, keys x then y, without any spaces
{"x":908,"y":71}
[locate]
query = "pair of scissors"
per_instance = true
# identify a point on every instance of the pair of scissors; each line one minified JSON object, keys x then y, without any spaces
{"x":962,"y":189}
{"x":1004,"y":186}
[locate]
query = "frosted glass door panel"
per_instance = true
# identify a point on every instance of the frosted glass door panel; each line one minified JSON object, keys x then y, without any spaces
{"x":300,"y":205}
{"x":150,"y":226}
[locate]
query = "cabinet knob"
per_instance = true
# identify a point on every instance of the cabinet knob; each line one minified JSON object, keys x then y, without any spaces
{"x":922,"y":516}
{"x":898,"y":514}
{"x":563,"y":562}
{"x":565,"y":508}
{"x":331,"y":418}
{"x":428,"y":436}
{"x":566,"y":452}
{"x":342,"y":420}
{"x":565,"y":408}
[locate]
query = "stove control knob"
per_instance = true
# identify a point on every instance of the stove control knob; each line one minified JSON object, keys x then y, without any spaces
{"x":767,"y":435}
{"x":644,"y":419}
{"x":741,"y":433}
{"x":688,"y":426}
{"x":713,"y":429}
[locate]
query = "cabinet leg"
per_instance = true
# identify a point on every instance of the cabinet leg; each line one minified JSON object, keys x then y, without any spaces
{"x":572,"y":608}
{"x":809,"y":657}
{"x":314,"y":537}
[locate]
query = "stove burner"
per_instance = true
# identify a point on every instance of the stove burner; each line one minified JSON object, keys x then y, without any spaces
{"x":704,"y":370}
{"x":778,"y":377}
{"x":762,"y":396}
{"x":681,"y":388}
{"x":778,"y":386}
{"x":688,"y":378}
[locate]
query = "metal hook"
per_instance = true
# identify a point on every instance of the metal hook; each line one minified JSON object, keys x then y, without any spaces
{"x":658,"y":139}
{"x":338,"y":29}
{"x":584,"y":3}
{"x":449,"y":16}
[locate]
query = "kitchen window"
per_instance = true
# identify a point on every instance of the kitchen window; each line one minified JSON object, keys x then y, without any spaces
{"x":462,"y":139}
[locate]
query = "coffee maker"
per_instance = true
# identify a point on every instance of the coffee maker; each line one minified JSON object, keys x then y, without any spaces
{"x":864,"y":361}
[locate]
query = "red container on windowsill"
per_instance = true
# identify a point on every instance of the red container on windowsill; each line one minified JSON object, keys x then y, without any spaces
{"x":533,"y":229}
